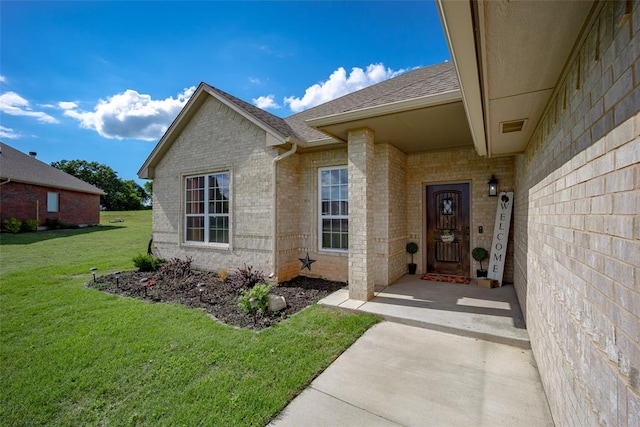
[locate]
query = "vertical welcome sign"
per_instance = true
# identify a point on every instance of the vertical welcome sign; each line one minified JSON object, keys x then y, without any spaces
{"x":500,"y":236}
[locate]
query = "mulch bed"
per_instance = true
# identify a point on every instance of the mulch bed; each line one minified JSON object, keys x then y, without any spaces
{"x":458,"y":280}
{"x":218,"y":298}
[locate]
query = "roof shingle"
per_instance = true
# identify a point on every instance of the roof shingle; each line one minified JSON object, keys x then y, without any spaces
{"x":17,"y":166}
{"x":417,"y":83}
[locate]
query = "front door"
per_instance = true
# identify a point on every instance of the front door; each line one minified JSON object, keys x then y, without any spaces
{"x":448,"y":215}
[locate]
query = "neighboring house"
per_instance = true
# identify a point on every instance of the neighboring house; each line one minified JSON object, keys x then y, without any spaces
{"x":542,"y":95}
{"x":31,"y":189}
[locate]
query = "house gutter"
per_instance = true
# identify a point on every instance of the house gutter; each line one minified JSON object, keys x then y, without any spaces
{"x":274,"y":221}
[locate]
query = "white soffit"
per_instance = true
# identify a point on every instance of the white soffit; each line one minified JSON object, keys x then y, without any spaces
{"x":524,"y":48}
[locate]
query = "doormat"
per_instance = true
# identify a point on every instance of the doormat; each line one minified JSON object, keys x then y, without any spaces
{"x":458,"y":280}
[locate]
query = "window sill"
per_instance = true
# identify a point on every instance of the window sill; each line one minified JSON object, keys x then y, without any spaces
{"x":202,"y":245}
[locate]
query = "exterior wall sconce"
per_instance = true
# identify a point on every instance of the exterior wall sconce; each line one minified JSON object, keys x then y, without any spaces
{"x":493,"y":186}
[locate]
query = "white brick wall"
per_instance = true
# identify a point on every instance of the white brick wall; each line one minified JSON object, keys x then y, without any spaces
{"x":217,"y":138}
{"x":577,"y":246}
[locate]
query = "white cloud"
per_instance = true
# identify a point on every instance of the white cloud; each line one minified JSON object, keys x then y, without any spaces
{"x":339,"y":84}
{"x":13,"y":104}
{"x":8,"y":133}
{"x":131,"y":115}
{"x":3,"y":79}
{"x":67,"y":105}
{"x":265,"y":102}
{"x":255,"y":80}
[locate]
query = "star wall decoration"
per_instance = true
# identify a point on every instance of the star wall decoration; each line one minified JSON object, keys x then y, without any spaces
{"x":306,"y":262}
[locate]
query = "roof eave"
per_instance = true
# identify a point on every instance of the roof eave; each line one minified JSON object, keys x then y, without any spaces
{"x":458,"y":26}
{"x":97,"y":191}
{"x":384,"y":109}
{"x":147,"y":171}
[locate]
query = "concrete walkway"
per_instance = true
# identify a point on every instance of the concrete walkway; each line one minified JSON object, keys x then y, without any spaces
{"x":399,"y":375}
{"x":468,"y":310}
{"x":441,"y":361}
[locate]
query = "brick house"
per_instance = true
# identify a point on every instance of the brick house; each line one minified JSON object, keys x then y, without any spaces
{"x":542,"y":95}
{"x":31,"y":189}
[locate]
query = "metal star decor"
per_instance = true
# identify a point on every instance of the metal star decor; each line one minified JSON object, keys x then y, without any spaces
{"x":306,"y":262}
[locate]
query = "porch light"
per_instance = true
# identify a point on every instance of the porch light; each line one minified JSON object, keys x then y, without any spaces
{"x":493,"y":186}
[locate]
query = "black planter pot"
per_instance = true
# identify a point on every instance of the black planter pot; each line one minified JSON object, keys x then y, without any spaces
{"x":412,"y":268}
{"x":481,"y":273}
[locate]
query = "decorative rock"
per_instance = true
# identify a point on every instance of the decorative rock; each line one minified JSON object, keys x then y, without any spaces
{"x":277,"y":303}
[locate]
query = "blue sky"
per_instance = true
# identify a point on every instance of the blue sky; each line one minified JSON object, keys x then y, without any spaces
{"x":101,"y":81}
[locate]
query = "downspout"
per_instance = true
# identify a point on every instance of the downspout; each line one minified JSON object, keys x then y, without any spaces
{"x":6,"y":182}
{"x":274,"y":218}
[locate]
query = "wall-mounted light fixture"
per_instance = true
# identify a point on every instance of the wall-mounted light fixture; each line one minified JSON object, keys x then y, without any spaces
{"x":493,"y":186}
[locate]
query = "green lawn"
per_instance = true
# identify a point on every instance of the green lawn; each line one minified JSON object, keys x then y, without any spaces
{"x":72,"y":356}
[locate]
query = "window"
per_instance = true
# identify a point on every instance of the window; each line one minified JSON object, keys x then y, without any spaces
{"x":334,"y":209}
{"x":207,"y":208}
{"x":52,"y":202}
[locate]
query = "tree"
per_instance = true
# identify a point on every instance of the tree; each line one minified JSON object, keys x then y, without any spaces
{"x":148,"y":187}
{"x":121,"y":195}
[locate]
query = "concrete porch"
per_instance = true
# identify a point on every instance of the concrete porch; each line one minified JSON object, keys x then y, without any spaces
{"x":468,"y":310}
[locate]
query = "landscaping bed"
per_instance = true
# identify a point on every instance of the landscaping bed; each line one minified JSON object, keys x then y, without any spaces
{"x":208,"y":292}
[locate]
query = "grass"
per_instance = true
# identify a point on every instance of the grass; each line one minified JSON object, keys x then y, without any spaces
{"x":71,"y":355}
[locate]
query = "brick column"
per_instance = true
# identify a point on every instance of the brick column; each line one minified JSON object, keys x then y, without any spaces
{"x":361,"y":188}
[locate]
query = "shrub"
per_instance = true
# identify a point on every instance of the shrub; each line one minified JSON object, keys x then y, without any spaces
{"x":222,"y":274}
{"x":259,"y":291}
{"x":175,"y":268}
{"x":12,"y":225}
{"x":29,"y":225}
{"x":246,"y":277}
{"x":147,"y":262}
{"x":53,"y":223}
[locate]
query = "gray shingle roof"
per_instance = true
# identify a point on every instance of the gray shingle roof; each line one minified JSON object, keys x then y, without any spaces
{"x":20,"y":167}
{"x":267,"y":118}
{"x":420,"y":82}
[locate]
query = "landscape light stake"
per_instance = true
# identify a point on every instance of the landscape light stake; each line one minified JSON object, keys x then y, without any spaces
{"x":93,"y":271}
{"x":117,"y":275}
{"x":147,"y":283}
{"x":200,"y":287}
{"x":254,"y":305}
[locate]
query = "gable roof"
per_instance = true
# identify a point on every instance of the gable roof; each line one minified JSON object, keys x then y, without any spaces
{"x":278,"y":131}
{"x":417,"y":84}
{"x":20,"y":167}
{"x":421,"y":82}
{"x":273,"y":121}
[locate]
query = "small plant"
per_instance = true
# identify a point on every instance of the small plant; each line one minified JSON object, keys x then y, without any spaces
{"x":12,"y":225}
{"x":147,"y":262}
{"x":261,"y":292}
{"x":480,"y":254}
{"x":29,"y":226}
{"x":176,"y":267}
{"x":246,"y":277}
{"x":412,"y":248}
{"x":222,"y":275}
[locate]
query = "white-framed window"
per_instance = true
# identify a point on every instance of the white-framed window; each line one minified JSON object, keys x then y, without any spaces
{"x":207,"y":208}
{"x":53,"y":200}
{"x":333,"y":201}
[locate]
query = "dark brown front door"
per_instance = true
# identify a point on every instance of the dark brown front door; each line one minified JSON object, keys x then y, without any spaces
{"x":448,"y":213}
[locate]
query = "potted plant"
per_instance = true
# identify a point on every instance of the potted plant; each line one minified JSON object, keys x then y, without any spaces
{"x":447,"y":236}
{"x":480,"y":254}
{"x":412,"y":248}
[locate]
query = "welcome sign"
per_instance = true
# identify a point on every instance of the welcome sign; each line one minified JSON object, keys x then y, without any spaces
{"x":500,"y":236}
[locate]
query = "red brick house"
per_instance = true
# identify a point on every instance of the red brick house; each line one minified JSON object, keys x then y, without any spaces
{"x":31,"y":189}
